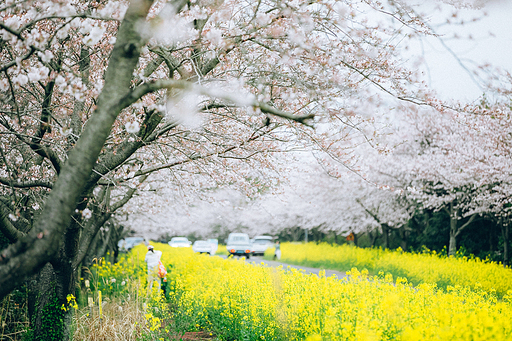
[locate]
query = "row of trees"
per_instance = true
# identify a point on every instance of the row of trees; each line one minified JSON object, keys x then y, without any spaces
{"x":444,"y":179}
{"x":402,"y":196}
{"x":107,"y":103}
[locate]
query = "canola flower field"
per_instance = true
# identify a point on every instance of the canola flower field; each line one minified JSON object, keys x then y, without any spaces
{"x":236,"y":300}
{"x":425,"y":267}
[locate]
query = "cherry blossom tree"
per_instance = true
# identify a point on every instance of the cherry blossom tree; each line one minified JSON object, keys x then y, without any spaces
{"x":452,"y":159}
{"x":99,"y":97}
{"x":76,"y":63}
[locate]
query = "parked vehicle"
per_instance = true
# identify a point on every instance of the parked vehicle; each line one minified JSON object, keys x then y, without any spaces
{"x":260,"y":244}
{"x":128,"y":243}
{"x":238,"y":244}
{"x":179,"y":242}
{"x":202,"y":246}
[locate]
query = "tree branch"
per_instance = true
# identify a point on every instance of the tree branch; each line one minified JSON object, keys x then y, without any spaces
{"x":466,"y":224}
{"x":7,"y":228}
{"x":198,"y":156}
{"x":93,"y":226}
{"x":116,"y":157}
{"x":39,"y":149}
{"x":373,"y":215}
{"x":25,"y":184}
{"x":147,"y":88}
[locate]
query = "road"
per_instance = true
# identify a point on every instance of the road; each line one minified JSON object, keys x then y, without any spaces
{"x":328,"y":273}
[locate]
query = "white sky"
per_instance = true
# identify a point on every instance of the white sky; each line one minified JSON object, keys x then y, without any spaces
{"x":492,"y":43}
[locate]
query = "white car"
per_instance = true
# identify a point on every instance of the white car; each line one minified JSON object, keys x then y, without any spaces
{"x":260,"y":244}
{"x":202,"y":246}
{"x":179,"y":242}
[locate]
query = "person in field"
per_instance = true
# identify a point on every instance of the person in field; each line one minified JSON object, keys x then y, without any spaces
{"x":277,"y":254}
{"x":153,"y":259}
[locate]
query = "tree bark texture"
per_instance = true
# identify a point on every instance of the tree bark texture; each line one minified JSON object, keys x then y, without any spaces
{"x":46,"y":296}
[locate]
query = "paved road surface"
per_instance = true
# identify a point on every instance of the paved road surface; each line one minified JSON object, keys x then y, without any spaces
{"x":259,"y":260}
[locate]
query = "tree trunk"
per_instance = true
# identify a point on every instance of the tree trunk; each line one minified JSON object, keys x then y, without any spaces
{"x":373,"y":238}
{"x":48,"y":321}
{"x":505,"y":233}
{"x":296,"y":232}
{"x":31,"y":253}
{"x":492,"y":238}
{"x":385,"y":236}
{"x":50,"y":289}
{"x":118,"y":231}
{"x":426,"y":223}
{"x":404,"y":236}
{"x":455,"y":229}
{"x":452,"y":247}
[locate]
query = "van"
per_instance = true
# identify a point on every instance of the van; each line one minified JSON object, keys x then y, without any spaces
{"x":238,"y":244}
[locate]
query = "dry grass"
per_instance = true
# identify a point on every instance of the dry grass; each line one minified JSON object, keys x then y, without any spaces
{"x":15,"y":336}
{"x":120,"y":321}
{"x":13,"y":317}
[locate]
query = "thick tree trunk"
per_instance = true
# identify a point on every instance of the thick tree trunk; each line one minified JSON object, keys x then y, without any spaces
{"x":51,"y":288}
{"x":30,"y":254}
{"x":47,"y":295}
